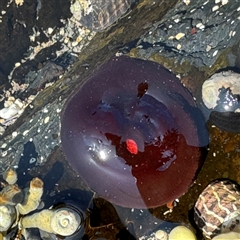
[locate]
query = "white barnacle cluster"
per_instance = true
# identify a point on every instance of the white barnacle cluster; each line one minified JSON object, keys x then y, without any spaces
{"x":76,"y":9}
{"x":13,"y":107}
{"x":8,"y":200}
{"x":80,"y":6}
{"x":15,"y":207}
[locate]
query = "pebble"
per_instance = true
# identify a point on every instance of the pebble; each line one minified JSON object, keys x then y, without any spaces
{"x":181,"y":233}
{"x":179,"y":46}
{"x":161,"y":235}
{"x":186,"y":2}
{"x":200,"y":26}
{"x":179,"y":36}
{"x":215,"y":8}
{"x":226,"y":236}
{"x":208,"y":48}
{"x":224,"y":2}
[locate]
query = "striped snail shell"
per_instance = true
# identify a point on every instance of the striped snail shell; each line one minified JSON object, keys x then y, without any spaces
{"x":65,"y":221}
{"x":218,"y":208}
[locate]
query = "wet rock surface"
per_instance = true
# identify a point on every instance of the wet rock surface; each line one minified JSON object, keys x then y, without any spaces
{"x":197,"y":33}
{"x":98,"y":15}
{"x":44,"y":50}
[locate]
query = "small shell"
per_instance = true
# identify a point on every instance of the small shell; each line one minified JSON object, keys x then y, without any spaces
{"x":65,"y":221}
{"x":214,"y":205}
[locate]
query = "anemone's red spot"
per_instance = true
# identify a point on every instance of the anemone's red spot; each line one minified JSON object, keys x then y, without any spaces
{"x":132,"y":146}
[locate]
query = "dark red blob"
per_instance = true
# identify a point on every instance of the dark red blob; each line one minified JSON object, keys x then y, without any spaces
{"x":134,"y":134}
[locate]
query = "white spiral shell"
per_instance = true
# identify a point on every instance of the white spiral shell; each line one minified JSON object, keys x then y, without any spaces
{"x":65,"y":221}
{"x":7,"y":217}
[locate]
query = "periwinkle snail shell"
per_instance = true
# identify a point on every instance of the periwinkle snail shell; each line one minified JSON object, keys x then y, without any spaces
{"x":65,"y":221}
{"x":214,"y":205}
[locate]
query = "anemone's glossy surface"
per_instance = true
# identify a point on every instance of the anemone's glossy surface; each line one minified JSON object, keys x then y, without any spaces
{"x":133,"y":133}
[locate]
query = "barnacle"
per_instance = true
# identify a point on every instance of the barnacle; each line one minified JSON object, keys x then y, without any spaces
{"x":63,"y":221}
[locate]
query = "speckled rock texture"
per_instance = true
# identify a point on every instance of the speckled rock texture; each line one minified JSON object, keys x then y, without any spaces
{"x":97,"y":15}
{"x":52,"y":47}
{"x":197,"y":33}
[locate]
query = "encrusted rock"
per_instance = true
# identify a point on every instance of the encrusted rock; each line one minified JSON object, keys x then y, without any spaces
{"x":97,"y":15}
